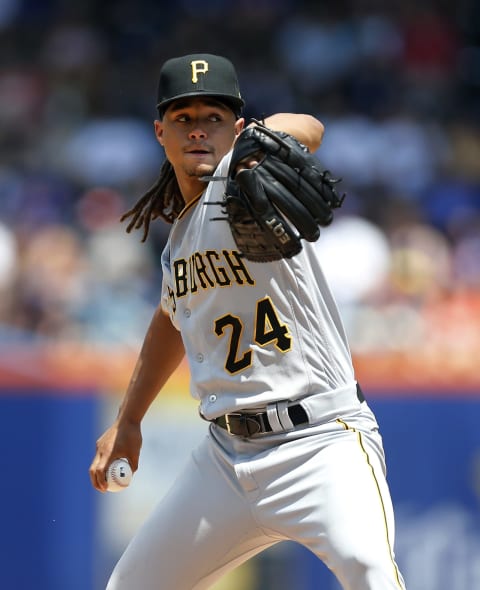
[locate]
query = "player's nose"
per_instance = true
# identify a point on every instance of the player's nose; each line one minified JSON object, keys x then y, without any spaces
{"x":197,"y":132}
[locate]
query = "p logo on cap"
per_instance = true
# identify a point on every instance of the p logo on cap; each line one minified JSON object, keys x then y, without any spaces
{"x":199,"y":66}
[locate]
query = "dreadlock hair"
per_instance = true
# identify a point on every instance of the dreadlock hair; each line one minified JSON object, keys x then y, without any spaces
{"x":163,"y":199}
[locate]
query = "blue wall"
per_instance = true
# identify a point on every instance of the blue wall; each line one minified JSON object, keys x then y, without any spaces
{"x":46,"y":501}
{"x":48,"y":536}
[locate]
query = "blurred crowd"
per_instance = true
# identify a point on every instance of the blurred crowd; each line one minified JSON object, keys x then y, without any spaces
{"x":397,"y":85}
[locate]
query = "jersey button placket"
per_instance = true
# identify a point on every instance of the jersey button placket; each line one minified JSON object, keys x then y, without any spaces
{"x":199,"y":357}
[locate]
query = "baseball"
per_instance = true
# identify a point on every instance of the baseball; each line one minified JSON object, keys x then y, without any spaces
{"x":119,"y":475}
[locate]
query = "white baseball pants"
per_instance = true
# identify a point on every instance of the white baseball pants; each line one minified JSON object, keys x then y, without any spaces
{"x":323,"y":486}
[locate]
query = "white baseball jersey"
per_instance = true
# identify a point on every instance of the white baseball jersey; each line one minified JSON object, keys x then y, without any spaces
{"x":249,"y":338}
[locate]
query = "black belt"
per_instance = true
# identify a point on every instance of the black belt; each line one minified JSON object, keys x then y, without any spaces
{"x":243,"y":424}
{"x":249,"y":424}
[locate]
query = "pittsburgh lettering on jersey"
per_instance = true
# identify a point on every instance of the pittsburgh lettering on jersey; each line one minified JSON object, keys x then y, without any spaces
{"x":209,"y":269}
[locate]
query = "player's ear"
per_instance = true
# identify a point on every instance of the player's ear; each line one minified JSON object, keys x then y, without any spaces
{"x":158,"y":126}
{"x":239,"y":125}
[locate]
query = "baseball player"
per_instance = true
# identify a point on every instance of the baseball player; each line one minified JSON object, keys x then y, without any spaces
{"x":293,"y":451}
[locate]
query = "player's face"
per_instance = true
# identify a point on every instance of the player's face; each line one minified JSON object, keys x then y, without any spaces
{"x":196,"y":133}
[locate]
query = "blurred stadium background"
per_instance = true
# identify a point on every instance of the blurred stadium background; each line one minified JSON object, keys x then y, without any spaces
{"x":397,"y":85}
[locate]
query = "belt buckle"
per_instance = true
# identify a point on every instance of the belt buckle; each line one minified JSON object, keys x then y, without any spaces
{"x":227,"y":421}
{"x":246,"y":421}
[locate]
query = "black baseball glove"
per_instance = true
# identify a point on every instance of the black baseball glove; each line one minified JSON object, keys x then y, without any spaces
{"x":282,"y":199}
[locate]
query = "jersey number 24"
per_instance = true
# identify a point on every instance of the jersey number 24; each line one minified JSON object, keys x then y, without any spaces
{"x":268,"y":329}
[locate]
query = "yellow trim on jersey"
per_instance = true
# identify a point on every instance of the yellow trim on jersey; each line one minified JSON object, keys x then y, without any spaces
{"x":364,"y":451}
{"x":190,"y":204}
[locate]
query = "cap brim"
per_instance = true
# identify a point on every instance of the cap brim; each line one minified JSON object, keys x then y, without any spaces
{"x":238,"y":103}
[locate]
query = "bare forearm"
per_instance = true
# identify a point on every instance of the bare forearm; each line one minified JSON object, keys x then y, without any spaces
{"x":161,"y":354}
{"x":305,"y":128}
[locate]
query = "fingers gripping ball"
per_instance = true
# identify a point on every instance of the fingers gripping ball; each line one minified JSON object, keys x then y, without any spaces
{"x":283,"y":198}
{"x":119,"y":475}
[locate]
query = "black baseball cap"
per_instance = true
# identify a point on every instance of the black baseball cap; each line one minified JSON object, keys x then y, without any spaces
{"x":199,"y":74}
